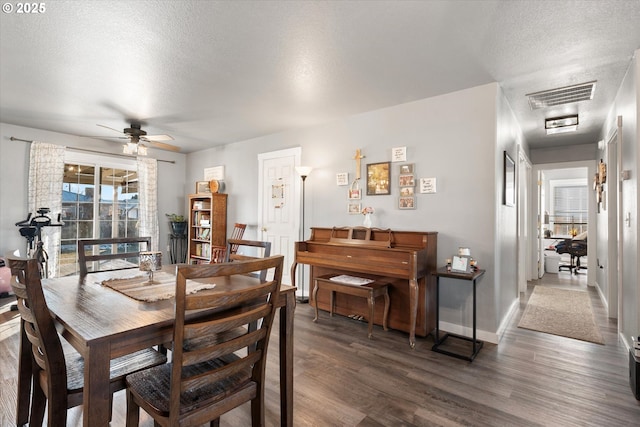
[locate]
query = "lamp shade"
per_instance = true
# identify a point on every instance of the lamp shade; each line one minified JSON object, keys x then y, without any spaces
{"x":304,"y":170}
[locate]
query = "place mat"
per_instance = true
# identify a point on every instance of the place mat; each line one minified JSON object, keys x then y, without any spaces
{"x":163,"y":286}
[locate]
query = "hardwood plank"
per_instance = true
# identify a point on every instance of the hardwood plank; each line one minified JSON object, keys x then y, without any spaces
{"x":344,"y":379}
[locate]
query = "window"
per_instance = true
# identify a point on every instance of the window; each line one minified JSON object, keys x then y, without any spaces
{"x":99,"y":200}
{"x":570,"y":209}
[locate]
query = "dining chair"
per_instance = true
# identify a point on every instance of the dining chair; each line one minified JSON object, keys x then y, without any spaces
{"x":219,"y":253}
{"x":257,"y":244}
{"x":218,"y":362}
{"x":121,"y":248}
{"x":56,"y":368}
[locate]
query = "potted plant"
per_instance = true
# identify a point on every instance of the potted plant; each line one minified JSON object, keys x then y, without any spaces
{"x":178,"y":224}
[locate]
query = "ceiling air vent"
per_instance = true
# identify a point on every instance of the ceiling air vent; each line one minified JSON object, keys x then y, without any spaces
{"x":563,"y":95}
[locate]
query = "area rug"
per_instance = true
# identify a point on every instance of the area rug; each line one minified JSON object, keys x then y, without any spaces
{"x":163,"y":286}
{"x":561,"y":312}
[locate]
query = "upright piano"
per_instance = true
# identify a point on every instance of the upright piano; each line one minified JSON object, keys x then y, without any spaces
{"x":404,"y":259}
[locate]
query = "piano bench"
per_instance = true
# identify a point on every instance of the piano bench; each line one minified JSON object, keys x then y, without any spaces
{"x":369,"y":291}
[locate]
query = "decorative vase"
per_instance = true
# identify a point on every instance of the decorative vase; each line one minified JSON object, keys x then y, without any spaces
{"x":367,"y":220}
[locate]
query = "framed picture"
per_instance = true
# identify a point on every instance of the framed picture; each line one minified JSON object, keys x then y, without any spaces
{"x":399,"y":154}
{"x":406,"y":169}
{"x":406,"y":203}
{"x":461,"y":264}
{"x":342,"y":178}
{"x":428,"y":185}
{"x":509,"y":185}
{"x":203,"y":187}
{"x":406,"y":192}
{"x":378,"y":179}
{"x":407,"y":181}
{"x":353,"y":208}
{"x":355,"y":194}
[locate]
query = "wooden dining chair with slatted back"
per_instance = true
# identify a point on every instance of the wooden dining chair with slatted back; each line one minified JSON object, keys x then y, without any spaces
{"x":57,"y":369}
{"x":257,"y":245}
{"x":219,"y":253}
{"x":217,"y":363}
{"x":118,"y":253}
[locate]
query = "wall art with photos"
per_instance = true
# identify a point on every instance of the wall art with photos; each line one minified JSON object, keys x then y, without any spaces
{"x":378,"y":179}
{"x":509,"y":181}
{"x":354,"y":208}
{"x":406,"y":202}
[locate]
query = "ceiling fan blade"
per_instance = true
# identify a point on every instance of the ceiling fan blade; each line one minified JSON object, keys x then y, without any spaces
{"x":159,"y":137}
{"x":161,"y":145}
{"x":107,"y":127}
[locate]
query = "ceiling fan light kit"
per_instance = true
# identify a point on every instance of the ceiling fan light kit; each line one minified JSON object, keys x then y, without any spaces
{"x":137,"y":136}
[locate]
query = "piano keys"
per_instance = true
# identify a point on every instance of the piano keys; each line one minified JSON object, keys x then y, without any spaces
{"x":405,"y":259}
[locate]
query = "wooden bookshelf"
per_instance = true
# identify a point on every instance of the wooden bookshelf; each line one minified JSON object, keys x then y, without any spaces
{"x":207,"y":226}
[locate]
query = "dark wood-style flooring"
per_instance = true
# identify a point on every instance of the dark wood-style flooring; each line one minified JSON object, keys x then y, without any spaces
{"x":344,"y":379}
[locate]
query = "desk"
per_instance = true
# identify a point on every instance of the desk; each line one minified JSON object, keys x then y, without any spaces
{"x":103,"y":324}
{"x":477,"y":345}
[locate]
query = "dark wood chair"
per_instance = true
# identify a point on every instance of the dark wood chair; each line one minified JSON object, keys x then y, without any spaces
{"x":57,"y":369}
{"x":219,"y":253}
{"x":218,"y":360}
{"x":124,"y":249}
{"x":233,"y":255}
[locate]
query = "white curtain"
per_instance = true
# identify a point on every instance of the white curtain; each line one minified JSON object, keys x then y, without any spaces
{"x":46,"y":173}
{"x":148,"y":193}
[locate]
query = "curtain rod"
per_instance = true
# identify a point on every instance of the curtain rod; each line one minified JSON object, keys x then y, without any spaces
{"x":94,"y":151}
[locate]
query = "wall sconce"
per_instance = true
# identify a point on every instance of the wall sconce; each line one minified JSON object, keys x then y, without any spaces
{"x":563,"y":124}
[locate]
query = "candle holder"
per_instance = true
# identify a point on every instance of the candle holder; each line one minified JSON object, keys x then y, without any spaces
{"x":150,"y":262}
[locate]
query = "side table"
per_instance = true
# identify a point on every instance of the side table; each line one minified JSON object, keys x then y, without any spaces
{"x":477,"y":345}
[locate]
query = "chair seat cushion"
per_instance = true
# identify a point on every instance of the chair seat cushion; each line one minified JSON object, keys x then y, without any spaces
{"x":153,"y":386}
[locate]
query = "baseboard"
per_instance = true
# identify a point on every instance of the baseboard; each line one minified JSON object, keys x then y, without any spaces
{"x":515,"y":305}
{"x":603,"y":297}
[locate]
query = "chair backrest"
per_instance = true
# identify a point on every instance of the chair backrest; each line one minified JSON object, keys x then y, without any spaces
{"x":237,"y":233}
{"x":38,"y":325}
{"x":125,"y":249}
{"x":223,"y":350}
{"x":235,"y":256}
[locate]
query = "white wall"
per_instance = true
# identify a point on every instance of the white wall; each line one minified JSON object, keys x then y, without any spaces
{"x":14,"y":175}
{"x":627,"y":105}
{"x":450,"y":137}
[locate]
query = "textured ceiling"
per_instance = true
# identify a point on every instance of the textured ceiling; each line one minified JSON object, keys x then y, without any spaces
{"x":212,"y":73}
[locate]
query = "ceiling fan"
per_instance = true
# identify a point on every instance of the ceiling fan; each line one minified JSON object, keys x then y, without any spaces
{"x":139,"y":140}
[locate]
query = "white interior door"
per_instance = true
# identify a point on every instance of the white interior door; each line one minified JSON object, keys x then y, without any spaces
{"x":279,"y":203}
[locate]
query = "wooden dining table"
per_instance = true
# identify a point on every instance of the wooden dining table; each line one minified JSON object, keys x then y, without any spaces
{"x":102,"y":324}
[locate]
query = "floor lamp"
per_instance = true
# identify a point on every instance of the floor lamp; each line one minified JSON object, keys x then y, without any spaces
{"x":303,"y":171}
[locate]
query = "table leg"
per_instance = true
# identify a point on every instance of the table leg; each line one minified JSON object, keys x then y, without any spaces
{"x":286,"y":360}
{"x":96,"y":410}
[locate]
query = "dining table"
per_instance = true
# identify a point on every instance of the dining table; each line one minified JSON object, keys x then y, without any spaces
{"x":102,"y":324}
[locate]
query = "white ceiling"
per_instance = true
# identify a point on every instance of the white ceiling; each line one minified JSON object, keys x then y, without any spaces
{"x":212,"y":73}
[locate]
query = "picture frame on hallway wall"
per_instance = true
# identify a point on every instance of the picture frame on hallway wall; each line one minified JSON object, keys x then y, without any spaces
{"x":509,"y":181}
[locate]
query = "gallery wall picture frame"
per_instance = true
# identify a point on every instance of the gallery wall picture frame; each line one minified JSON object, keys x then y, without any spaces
{"x":342,"y":178}
{"x":406,"y":202}
{"x":407,"y":192}
{"x":407,"y":180}
{"x":202,"y":187}
{"x":379,"y":179}
{"x":406,"y":169}
{"x":509,"y":181}
{"x":354,"y":208}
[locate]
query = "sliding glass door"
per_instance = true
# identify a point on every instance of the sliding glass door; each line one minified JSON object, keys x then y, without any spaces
{"x":98,"y":201}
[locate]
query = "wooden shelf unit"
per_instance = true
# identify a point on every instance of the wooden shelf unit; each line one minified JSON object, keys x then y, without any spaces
{"x":207,"y":226}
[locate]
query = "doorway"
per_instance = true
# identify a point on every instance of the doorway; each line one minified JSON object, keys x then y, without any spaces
{"x":551,"y":227}
{"x":279,"y":203}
